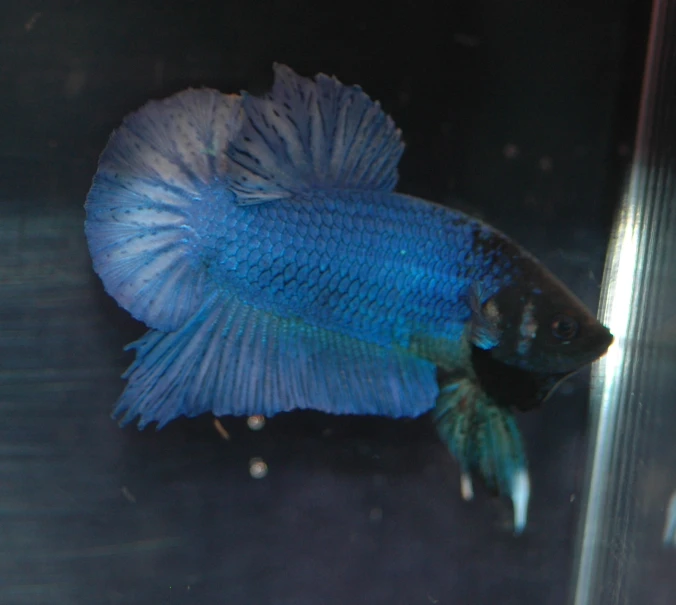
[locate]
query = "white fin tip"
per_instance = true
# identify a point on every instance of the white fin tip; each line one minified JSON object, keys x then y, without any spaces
{"x":520,"y":493}
{"x":466,"y":488}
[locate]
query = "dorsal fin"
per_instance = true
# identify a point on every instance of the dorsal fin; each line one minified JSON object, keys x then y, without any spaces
{"x":312,"y":134}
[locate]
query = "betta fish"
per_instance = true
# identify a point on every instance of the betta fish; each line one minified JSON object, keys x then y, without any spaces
{"x":262,"y":242}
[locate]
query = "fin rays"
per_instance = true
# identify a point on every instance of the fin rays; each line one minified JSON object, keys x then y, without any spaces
{"x":233,"y":359}
{"x":141,"y":207}
{"x":312,"y":134}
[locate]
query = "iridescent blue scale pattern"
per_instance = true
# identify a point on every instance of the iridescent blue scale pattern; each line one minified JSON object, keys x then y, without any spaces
{"x":377,"y":265}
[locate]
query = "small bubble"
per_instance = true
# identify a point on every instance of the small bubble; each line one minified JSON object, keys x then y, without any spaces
{"x":258,"y":468}
{"x":546,"y":164}
{"x":510,"y":151}
{"x":128,"y":495}
{"x":256,"y":423}
{"x":75,"y":82}
{"x":30,"y":24}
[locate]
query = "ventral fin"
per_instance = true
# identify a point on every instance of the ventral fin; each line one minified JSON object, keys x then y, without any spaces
{"x":312,"y":134}
{"x":233,"y":359}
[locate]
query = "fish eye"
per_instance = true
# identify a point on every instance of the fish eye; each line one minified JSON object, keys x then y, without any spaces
{"x":564,"y":327}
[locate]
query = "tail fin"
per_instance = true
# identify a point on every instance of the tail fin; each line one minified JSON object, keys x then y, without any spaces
{"x":153,"y":173}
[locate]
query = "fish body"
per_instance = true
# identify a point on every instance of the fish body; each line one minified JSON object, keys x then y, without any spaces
{"x":262,"y":242}
{"x":377,"y":266}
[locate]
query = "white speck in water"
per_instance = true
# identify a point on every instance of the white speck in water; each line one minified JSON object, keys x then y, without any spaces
{"x":258,"y":468}
{"x":546,"y":164}
{"x":221,"y":429}
{"x":510,"y":151}
{"x":75,"y":82}
{"x":256,"y":423}
{"x":30,"y":24}
{"x":128,"y":495}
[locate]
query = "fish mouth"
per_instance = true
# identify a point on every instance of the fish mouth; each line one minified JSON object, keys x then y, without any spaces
{"x":603,"y":341}
{"x":597,"y":348}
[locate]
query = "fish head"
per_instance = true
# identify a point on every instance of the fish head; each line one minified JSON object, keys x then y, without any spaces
{"x":543,"y":334}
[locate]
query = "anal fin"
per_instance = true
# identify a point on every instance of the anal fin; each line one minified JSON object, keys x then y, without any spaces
{"x":231,"y":358}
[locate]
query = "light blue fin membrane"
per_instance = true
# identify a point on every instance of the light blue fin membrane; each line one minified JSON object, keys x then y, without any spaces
{"x":151,"y":177}
{"x":312,"y":134}
{"x":233,"y":359}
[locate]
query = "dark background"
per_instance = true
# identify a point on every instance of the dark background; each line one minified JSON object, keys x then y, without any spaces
{"x":524,"y":111}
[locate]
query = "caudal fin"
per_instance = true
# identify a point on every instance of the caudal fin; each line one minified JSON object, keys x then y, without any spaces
{"x":156,"y":170}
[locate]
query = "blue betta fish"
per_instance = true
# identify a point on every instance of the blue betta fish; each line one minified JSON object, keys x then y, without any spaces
{"x":263,"y":244}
